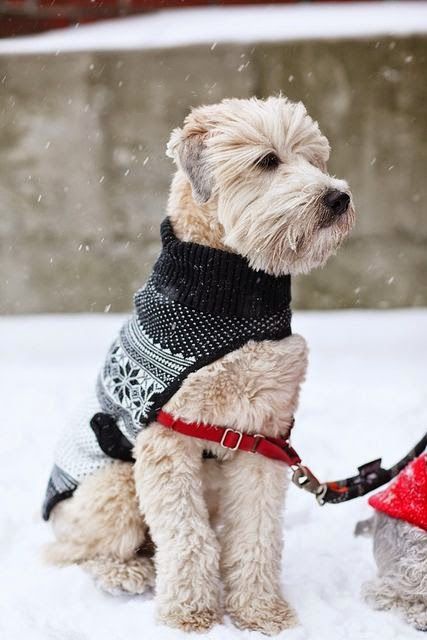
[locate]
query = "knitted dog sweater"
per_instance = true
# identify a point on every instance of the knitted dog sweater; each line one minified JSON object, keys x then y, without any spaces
{"x":198,"y":305}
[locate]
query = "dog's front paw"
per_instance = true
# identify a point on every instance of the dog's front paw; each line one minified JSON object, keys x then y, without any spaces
{"x":416,"y":613}
{"x":267,"y":616}
{"x":189,"y":618}
{"x":379,"y":594}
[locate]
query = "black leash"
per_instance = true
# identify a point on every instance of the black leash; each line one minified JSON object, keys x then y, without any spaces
{"x":371,"y":476}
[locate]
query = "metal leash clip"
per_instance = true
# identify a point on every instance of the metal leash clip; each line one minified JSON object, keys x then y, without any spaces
{"x":371,"y":476}
{"x":304,"y":478}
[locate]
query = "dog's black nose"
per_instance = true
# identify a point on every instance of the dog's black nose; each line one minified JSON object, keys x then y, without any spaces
{"x":337,"y":201}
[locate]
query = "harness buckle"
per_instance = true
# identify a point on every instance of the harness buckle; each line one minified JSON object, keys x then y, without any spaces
{"x":224,"y":436}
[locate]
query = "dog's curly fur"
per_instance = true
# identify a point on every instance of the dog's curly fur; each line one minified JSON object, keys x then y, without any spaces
{"x":400,"y":551}
{"x":223,"y":195}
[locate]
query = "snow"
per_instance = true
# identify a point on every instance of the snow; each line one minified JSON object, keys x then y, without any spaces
{"x":212,"y":25}
{"x":365,"y":396}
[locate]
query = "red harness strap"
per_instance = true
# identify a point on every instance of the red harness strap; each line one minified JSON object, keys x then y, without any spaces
{"x":275,"y":448}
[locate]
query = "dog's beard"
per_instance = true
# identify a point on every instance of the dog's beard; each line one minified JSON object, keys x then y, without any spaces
{"x":294,"y":234}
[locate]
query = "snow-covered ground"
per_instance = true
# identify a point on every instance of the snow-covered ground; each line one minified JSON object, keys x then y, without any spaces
{"x":211,"y":25}
{"x":365,"y":396}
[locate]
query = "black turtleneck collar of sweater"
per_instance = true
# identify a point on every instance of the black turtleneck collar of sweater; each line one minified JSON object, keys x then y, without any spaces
{"x":216,"y":281}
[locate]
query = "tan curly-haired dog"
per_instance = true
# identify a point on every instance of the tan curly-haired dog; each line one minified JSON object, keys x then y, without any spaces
{"x":251,"y":180}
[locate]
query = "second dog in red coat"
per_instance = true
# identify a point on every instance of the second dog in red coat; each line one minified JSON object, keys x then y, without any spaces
{"x":399,"y":530}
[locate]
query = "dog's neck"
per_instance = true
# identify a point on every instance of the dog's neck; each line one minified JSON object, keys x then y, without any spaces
{"x":193,"y":222}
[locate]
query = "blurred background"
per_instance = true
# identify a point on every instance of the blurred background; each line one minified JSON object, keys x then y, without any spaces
{"x":89,"y":92}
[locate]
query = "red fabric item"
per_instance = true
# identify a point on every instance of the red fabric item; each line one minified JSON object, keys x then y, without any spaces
{"x":275,"y":448}
{"x":406,"y":497}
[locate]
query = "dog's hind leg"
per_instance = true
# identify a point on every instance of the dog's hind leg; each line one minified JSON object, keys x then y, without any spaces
{"x":116,"y":576}
{"x":101,"y":528}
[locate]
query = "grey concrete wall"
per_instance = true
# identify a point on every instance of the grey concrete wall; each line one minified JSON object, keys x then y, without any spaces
{"x":84,"y":178}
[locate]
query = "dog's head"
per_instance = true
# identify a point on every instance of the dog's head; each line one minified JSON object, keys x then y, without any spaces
{"x":261,"y":166}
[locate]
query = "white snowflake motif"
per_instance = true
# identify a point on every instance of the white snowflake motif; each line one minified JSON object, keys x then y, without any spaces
{"x":129,"y":384}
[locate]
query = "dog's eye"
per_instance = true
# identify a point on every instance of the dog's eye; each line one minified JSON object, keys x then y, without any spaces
{"x":269,"y":161}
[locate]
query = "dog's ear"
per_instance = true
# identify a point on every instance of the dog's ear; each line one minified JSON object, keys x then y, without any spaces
{"x":321,"y":151}
{"x":187,"y":147}
{"x":320,"y":163}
